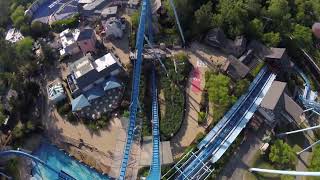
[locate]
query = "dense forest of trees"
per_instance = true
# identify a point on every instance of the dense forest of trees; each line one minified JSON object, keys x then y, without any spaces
{"x":267,"y":20}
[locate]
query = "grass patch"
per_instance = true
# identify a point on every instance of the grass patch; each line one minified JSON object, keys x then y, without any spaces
{"x":254,"y":72}
{"x":262,"y":163}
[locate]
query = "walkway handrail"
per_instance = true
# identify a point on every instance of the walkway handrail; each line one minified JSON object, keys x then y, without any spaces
{"x":292,"y":173}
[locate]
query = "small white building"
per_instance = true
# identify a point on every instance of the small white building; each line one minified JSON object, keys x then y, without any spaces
{"x":68,"y":40}
{"x":55,"y":91}
{"x":14,"y":35}
{"x":113,"y":28}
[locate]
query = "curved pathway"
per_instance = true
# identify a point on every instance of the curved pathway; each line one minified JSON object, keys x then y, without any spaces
{"x":202,"y":58}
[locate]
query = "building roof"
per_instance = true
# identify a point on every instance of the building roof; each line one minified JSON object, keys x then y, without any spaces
{"x":111,"y":83}
{"x":96,"y":4}
{"x":272,"y":97}
{"x":276,"y":53}
{"x":14,"y":35}
{"x":104,"y":62}
{"x":79,"y":103}
{"x":69,"y":37}
{"x":258,"y":48}
{"x":86,"y":71}
{"x":85,"y":1}
{"x":133,"y":2}
{"x":94,"y":93}
{"x":55,"y":90}
{"x":235,"y":68}
{"x":82,"y":66}
{"x":240,"y":41}
{"x":85,"y":34}
{"x":109,"y":11}
{"x":216,"y":37}
{"x":292,"y":108}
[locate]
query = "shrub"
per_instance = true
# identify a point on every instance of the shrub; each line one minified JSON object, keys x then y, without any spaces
{"x":199,"y":138}
{"x":171,"y":121}
{"x":12,"y":168}
{"x":17,"y":131}
{"x":64,"y":109}
{"x":315,"y":160}
{"x":201,"y":117}
{"x":71,"y":117}
{"x":282,"y":155}
{"x":126,"y":114}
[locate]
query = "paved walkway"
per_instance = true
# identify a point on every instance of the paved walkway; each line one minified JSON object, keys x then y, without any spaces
{"x":243,"y":158}
{"x":202,"y":60}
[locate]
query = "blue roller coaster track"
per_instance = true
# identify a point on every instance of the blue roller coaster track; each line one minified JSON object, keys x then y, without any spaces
{"x":135,"y":90}
{"x":145,"y":21}
{"x":305,"y":98}
{"x":155,"y":168}
{"x":212,"y":147}
{"x":61,"y":174}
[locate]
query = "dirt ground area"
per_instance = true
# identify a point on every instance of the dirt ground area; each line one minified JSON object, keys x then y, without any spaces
{"x":203,"y":59}
{"x":120,"y":47}
{"x":101,"y":146}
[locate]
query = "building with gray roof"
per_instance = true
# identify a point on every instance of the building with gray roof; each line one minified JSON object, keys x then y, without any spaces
{"x":277,"y":106}
{"x":94,"y":85}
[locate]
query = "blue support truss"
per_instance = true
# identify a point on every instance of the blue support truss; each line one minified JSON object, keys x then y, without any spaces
{"x":135,"y":91}
{"x":145,"y":22}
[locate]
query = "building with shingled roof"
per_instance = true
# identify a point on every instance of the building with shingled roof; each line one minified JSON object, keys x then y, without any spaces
{"x":95,"y":86}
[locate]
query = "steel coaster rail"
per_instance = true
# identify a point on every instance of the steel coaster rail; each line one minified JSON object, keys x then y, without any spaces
{"x":242,"y":118}
{"x":204,"y":154}
{"x":221,"y":141}
{"x":24,"y":154}
{"x":135,"y":91}
{"x":155,"y":168}
{"x":253,"y":85}
{"x":231,"y":112}
{"x":177,"y":21}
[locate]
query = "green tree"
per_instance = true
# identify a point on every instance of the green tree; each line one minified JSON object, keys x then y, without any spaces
{"x":241,"y":87}
{"x":25,"y":29}
{"x":24,"y":48}
{"x":302,"y":34}
{"x":219,"y":91}
{"x":135,"y":18}
{"x":308,"y":11}
{"x":232,"y":16}
{"x":287,"y":177}
{"x":282,"y":155}
{"x":253,"y":7}
{"x":202,"y":18}
{"x":4,"y":12}
{"x":315,"y":160}
{"x":255,"y":29}
{"x":271,"y":39}
{"x":279,"y":12}
{"x":18,"y":17}
{"x":39,"y":29}
{"x":2,"y":116}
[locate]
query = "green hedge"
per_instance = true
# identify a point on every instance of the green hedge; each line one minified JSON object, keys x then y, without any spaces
{"x":63,"y":24}
{"x":173,"y":89}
